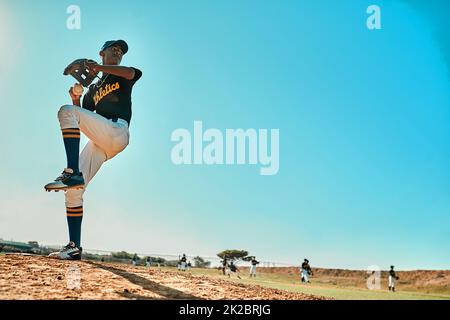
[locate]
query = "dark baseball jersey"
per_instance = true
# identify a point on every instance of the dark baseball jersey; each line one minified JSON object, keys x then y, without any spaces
{"x":111,"y":96}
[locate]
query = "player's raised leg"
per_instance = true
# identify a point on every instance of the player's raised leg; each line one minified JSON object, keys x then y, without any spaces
{"x":71,"y":177}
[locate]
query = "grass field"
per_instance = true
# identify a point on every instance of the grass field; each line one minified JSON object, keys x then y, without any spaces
{"x":284,"y":282}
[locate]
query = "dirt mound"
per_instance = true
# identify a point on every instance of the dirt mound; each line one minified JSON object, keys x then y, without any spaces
{"x":35,"y":277}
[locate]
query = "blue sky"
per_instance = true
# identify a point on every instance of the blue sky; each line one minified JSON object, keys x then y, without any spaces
{"x":363,"y":116}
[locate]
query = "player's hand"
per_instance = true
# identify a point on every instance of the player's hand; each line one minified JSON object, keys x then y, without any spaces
{"x":73,"y":95}
{"x":75,"y":98}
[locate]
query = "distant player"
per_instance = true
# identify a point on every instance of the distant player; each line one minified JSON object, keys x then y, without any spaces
{"x":232,"y":269}
{"x":134,"y":260}
{"x":254,"y":263}
{"x":224,"y":266}
{"x":148,"y":262}
{"x":392,"y":279}
{"x":305,"y":271}
{"x":183,"y":262}
{"x":189,"y":266}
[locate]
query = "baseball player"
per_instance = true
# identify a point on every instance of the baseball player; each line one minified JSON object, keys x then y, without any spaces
{"x":392,"y":279}
{"x":224,"y":265}
{"x":232,"y":269}
{"x":254,"y":262}
{"x":183,"y":262}
{"x":104,"y":118}
{"x":134,"y":260}
{"x":305,"y":271}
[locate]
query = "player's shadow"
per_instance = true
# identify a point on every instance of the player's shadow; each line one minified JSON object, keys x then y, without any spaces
{"x":163,"y":291}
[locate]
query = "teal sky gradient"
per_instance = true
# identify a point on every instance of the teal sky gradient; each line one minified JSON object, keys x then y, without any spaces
{"x":364,"y":119}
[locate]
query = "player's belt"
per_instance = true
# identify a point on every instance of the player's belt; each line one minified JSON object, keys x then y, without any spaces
{"x":117,"y":119}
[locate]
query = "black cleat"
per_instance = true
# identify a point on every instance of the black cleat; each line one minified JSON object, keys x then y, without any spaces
{"x":67,"y":180}
{"x":69,"y":252}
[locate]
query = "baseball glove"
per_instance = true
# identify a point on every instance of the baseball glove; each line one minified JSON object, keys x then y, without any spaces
{"x":80,"y":70}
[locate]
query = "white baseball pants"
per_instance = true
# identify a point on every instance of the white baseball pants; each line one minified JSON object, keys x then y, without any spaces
{"x":106,"y":140}
{"x":392,"y":282}
{"x":305,"y":275}
{"x":253,"y":270}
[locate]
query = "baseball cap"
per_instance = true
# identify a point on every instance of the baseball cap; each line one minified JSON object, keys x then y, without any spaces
{"x":123,"y":45}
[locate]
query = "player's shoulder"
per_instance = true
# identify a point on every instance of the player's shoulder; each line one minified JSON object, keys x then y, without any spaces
{"x":137,"y":74}
{"x":136,"y":68}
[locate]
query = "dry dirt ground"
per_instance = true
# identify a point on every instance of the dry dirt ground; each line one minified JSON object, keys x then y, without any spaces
{"x":35,"y":277}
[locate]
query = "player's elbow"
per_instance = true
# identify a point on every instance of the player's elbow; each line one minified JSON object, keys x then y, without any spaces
{"x":130,"y":74}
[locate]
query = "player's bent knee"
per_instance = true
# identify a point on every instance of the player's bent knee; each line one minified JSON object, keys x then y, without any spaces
{"x":66,"y":109}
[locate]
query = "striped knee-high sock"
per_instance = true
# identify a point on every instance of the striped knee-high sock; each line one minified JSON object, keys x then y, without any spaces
{"x":71,"y":138}
{"x":74,"y":218}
